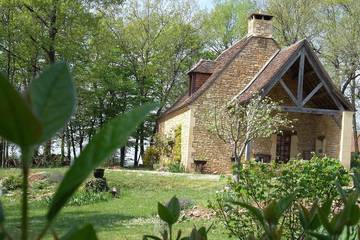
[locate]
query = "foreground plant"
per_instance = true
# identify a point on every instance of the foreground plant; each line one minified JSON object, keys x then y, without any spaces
{"x":317,"y":222}
{"x":170,"y":214}
{"x":30,"y":121}
{"x":315,"y":180}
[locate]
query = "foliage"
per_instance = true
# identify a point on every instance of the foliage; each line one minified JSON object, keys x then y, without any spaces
{"x":151,"y":156}
{"x":41,"y":128}
{"x":176,"y":156}
{"x":176,"y":167}
{"x":170,"y":214}
{"x":226,"y":23}
{"x":169,"y":148}
{"x":237,"y":123}
{"x":96,"y":185}
{"x":11,"y":182}
{"x":318,"y":222}
{"x":261,"y":184}
{"x":162,"y":144}
{"x":81,"y":198}
{"x":355,"y":161}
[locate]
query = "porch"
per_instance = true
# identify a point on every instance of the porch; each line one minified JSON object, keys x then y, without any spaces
{"x":322,"y":117}
{"x":311,"y":133}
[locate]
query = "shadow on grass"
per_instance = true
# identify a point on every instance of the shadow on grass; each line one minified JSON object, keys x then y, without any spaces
{"x":68,"y":220}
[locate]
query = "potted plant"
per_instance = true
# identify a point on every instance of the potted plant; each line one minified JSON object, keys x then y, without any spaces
{"x":99,"y":172}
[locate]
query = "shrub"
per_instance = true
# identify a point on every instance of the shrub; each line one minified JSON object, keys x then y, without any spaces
{"x":259,"y":184}
{"x":355,"y":160}
{"x":151,"y":156}
{"x":176,"y":156}
{"x":96,"y":185}
{"x":81,"y":198}
{"x":176,"y":167}
{"x":12,"y":182}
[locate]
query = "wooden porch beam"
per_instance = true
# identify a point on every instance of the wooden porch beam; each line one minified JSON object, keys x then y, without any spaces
{"x":300,"y":79}
{"x":312,"y":93}
{"x":321,"y":77}
{"x":310,"y":110}
{"x":280,"y":74}
{"x":288,"y":91}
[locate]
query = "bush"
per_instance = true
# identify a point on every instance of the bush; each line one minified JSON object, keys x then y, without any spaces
{"x":151,"y":156}
{"x":355,"y":160}
{"x":176,"y":155}
{"x":259,"y":184}
{"x":96,"y":185}
{"x":81,"y":198}
{"x":12,"y":182}
{"x":176,"y":167}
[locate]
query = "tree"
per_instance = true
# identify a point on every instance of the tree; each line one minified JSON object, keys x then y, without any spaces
{"x":295,"y":20}
{"x":158,"y":41}
{"x":341,"y":53}
{"x":237,"y":123}
{"x":226,"y":23}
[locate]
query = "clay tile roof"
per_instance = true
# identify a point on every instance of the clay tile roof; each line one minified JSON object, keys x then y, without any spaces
{"x":203,"y":66}
{"x":268,"y":72}
{"x":220,"y":63}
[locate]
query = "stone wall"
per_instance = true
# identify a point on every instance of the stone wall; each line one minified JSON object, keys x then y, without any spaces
{"x":234,"y":79}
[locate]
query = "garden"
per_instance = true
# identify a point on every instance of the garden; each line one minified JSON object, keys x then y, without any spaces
{"x":84,"y":84}
{"x":223,"y":207}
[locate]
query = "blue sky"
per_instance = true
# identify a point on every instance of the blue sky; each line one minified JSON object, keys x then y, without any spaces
{"x":209,"y":3}
{"x":206,"y":3}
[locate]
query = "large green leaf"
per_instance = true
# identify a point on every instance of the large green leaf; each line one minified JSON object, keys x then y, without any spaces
{"x":52,"y":97}
{"x":165,"y":214}
{"x":17,"y":122}
{"x":171,"y":212}
{"x":110,"y":137}
{"x":85,"y":233}
{"x":174,"y":206}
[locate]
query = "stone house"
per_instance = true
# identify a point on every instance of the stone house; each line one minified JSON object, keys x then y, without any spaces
{"x":256,"y":63}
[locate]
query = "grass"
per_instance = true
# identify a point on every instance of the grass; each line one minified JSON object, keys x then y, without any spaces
{"x":128,"y":217}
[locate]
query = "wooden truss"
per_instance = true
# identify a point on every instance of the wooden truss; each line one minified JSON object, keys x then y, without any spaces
{"x":299,"y":100}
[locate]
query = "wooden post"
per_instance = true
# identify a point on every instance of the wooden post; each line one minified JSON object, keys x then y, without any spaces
{"x":300,"y":79}
{"x":346,"y":139}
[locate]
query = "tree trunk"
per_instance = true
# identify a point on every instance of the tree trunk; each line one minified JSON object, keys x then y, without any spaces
{"x":47,"y":151}
{"x":51,"y":55}
{"x":122,"y":156}
{"x":142,"y":139}
{"x":136,"y":151}
{"x":2,"y":153}
{"x":68,"y":144}
{"x":72,"y":141}
{"x":238,"y":157}
{"x":62,"y":146}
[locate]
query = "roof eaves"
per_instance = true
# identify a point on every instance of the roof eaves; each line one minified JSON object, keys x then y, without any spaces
{"x":335,"y":90}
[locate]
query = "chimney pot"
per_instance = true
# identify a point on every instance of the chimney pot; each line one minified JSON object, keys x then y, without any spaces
{"x":260,"y":25}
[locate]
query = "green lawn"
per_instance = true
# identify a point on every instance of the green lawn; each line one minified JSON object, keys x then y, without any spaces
{"x":128,"y":217}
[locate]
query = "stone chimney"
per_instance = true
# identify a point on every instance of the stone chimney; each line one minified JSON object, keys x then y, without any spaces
{"x":260,"y":25}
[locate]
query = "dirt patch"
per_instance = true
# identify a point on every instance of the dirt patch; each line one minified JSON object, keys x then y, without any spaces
{"x":38,"y":176}
{"x":197,"y":212}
